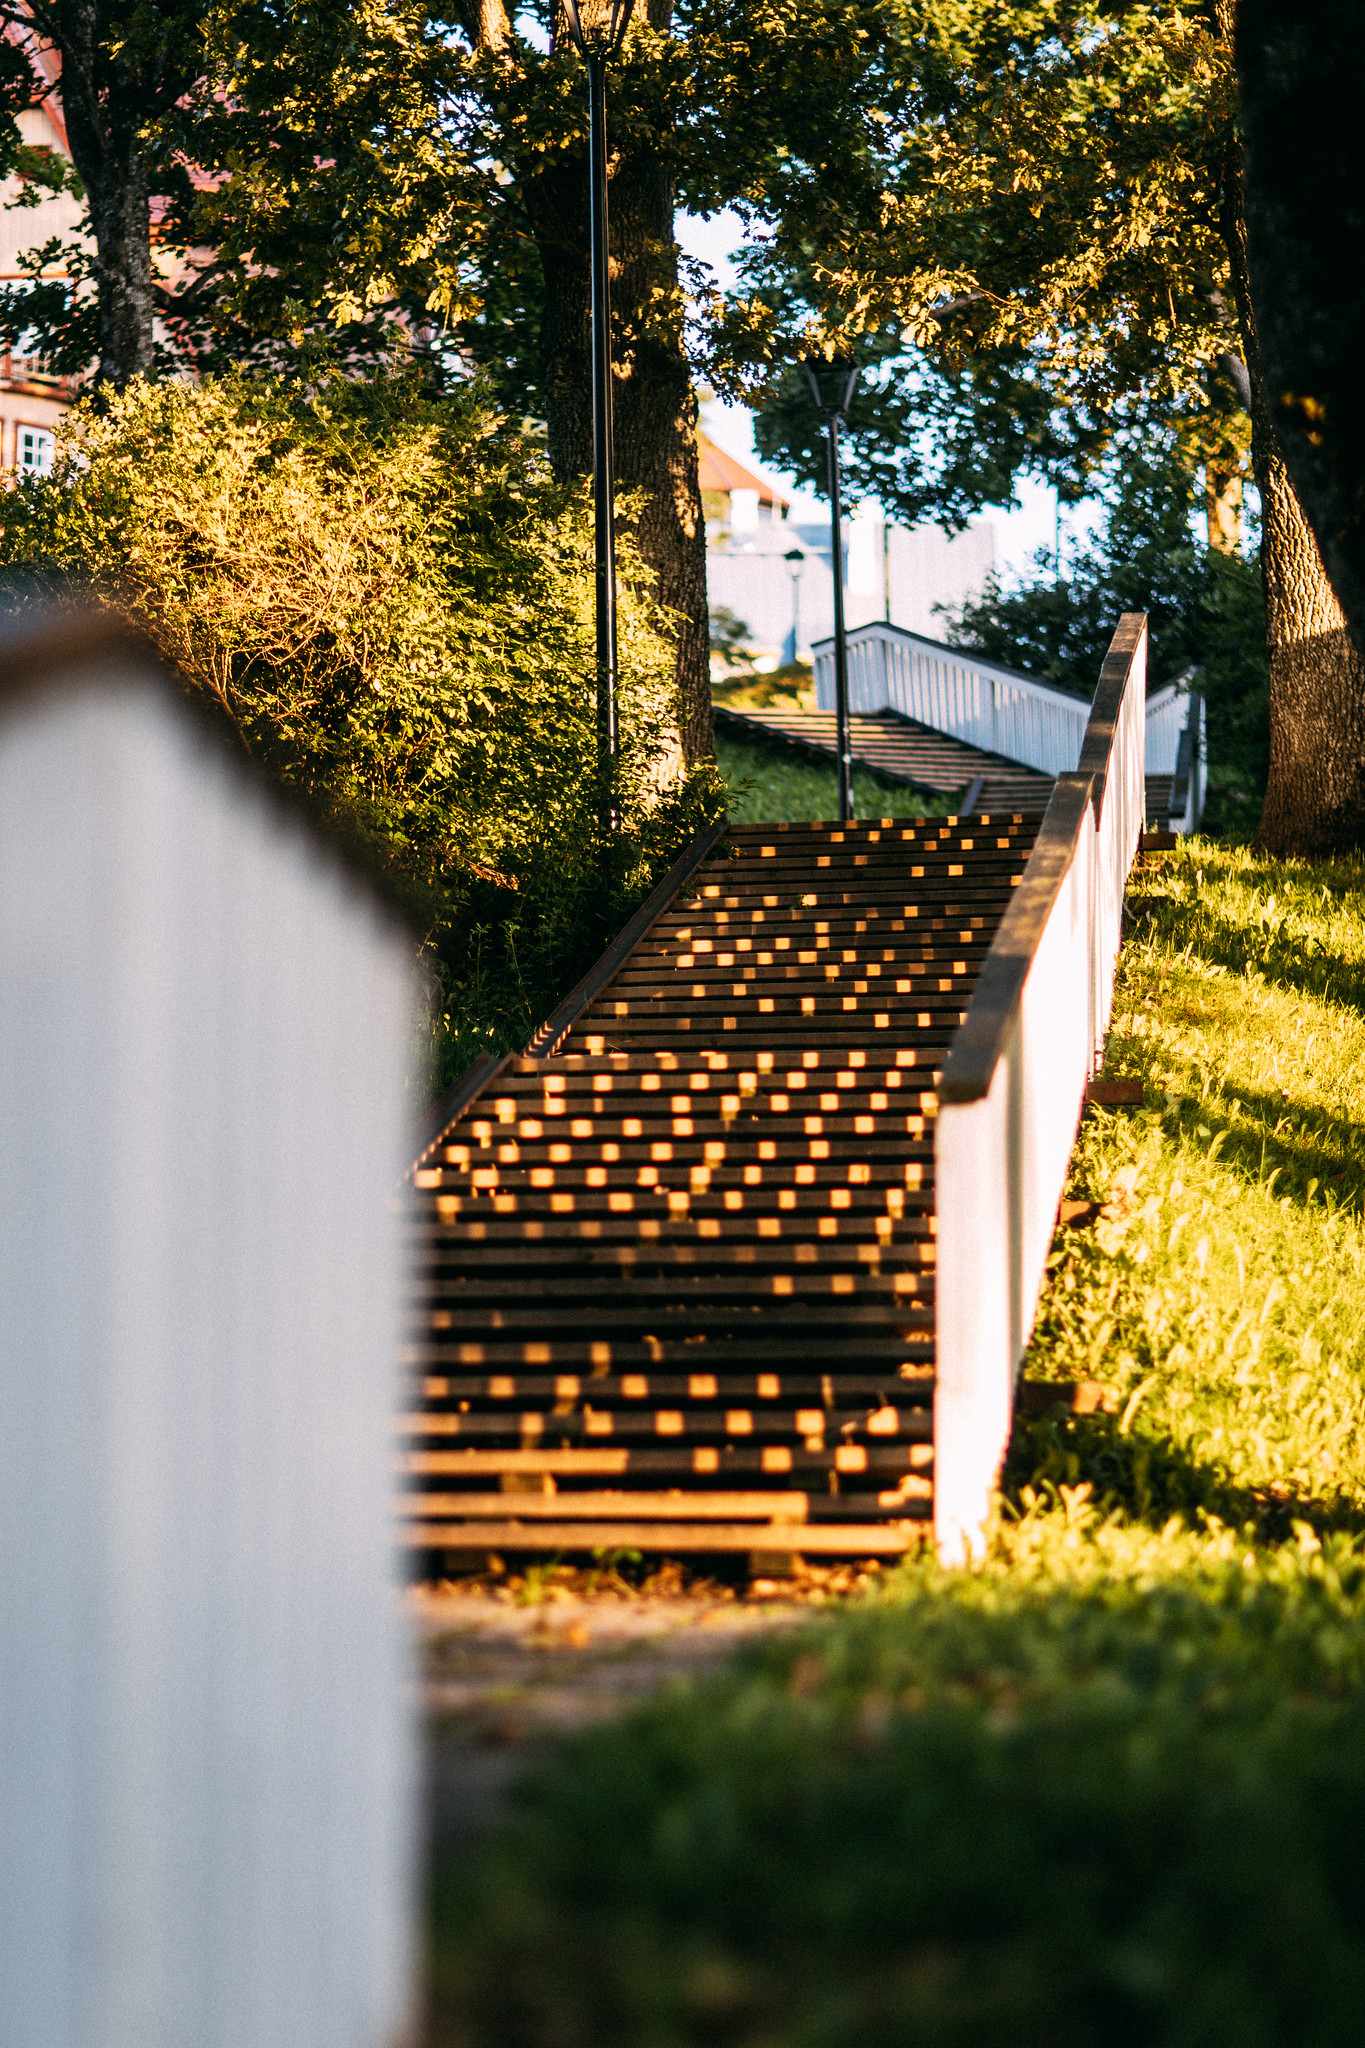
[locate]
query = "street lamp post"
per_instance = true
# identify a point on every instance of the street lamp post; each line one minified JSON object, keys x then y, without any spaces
{"x":832,"y":381}
{"x":597,"y":47}
{"x":795,"y":560}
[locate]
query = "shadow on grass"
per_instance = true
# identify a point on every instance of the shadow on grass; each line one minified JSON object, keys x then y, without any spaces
{"x":1148,"y":1479}
{"x":1122,"y":1813}
{"x":1291,"y":1148}
{"x":1300,"y":963}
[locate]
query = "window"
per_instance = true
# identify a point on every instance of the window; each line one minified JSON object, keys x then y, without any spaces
{"x":36,"y":450}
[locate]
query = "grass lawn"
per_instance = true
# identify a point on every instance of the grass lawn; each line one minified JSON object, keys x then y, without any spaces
{"x":774,"y":785}
{"x":1109,"y":1787}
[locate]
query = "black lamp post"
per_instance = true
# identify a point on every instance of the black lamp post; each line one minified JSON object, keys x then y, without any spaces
{"x":832,"y":381}
{"x":795,"y":560}
{"x":597,"y":47}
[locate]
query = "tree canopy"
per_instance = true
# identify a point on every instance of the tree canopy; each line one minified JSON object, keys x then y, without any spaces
{"x":1027,"y":214}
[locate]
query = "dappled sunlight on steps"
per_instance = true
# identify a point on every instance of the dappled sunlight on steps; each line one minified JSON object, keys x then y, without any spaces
{"x":675,"y":1284}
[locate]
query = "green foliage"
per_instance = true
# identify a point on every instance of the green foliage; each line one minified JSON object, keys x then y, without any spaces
{"x":790,"y":687}
{"x":1205,"y":612}
{"x":1108,"y":1785}
{"x":392,"y":602}
{"x":1030,"y":259}
{"x":926,"y":439}
{"x":730,"y":638}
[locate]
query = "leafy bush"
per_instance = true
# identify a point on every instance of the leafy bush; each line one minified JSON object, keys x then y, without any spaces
{"x":1205,"y":611}
{"x":392,"y":600}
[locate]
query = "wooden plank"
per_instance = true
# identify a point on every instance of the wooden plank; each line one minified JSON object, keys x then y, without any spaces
{"x":600,"y":1464}
{"x":869,"y":1539}
{"x":693,"y":1506}
{"x":672,"y":1463}
{"x":805,"y":1388}
{"x":1114,"y":1094}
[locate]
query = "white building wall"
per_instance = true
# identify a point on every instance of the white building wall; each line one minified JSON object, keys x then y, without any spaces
{"x":912,"y":571}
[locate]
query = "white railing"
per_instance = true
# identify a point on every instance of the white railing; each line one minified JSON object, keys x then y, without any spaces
{"x":1013,"y":1089}
{"x":957,"y":693}
{"x":205,"y":1748}
{"x":1167,"y":713}
{"x":975,"y":700}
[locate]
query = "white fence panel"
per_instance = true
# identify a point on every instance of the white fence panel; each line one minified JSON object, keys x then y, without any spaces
{"x":206,"y":1775}
{"x":1115,"y":759}
{"x":1013,"y":1089}
{"x":983,"y":704}
{"x":1167,"y":711}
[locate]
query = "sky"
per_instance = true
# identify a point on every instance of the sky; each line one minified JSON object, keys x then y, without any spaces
{"x":1019,"y":533}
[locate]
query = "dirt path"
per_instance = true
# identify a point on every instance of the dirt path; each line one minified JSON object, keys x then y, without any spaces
{"x":501,"y":1676}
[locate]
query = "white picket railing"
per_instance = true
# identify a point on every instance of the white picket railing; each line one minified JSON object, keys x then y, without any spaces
{"x":994,"y":708}
{"x":957,"y":693}
{"x":1014,"y":1085}
{"x":206,"y":1758}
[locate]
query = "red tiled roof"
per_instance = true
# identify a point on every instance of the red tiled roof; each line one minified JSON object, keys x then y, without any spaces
{"x":721,"y":472}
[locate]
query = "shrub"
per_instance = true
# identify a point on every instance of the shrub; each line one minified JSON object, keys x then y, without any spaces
{"x":391,"y":599}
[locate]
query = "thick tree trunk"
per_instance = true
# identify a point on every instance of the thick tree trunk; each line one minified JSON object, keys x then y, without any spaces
{"x":1315,"y":792}
{"x":103,"y":128}
{"x":655,"y":405}
{"x":120,"y":216}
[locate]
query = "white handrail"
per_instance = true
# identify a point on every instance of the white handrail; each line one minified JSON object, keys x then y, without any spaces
{"x":972,"y":699}
{"x":1014,"y":1086}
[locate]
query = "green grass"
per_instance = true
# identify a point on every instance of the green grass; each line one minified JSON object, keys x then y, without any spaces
{"x":1109,"y":1787}
{"x":774,"y":785}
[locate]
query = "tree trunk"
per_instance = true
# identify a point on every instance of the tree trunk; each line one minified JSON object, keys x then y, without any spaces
{"x":655,"y":405}
{"x":1223,"y":508}
{"x":103,"y":129}
{"x":1315,"y":792}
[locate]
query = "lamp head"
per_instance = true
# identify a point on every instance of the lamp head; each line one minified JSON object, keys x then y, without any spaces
{"x":795,"y":559}
{"x":832,"y":380}
{"x":605,"y":38}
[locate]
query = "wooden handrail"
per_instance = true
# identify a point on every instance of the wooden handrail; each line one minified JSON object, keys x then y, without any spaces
{"x":1102,"y":723}
{"x":977,"y":1046}
{"x":552,"y":1033}
{"x":457,"y":1100}
{"x":978,"y":1042}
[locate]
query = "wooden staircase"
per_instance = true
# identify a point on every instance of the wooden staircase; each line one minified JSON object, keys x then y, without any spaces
{"x":675,"y":1281}
{"x":900,"y":750}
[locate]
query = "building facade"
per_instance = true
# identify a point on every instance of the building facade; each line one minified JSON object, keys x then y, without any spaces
{"x":773,"y":572}
{"x":31,"y":399}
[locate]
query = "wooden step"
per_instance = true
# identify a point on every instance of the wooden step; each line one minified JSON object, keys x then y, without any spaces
{"x":693,"y":1252}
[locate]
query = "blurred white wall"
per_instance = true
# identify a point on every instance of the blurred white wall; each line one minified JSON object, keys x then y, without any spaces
{"x":205,"y":1749}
